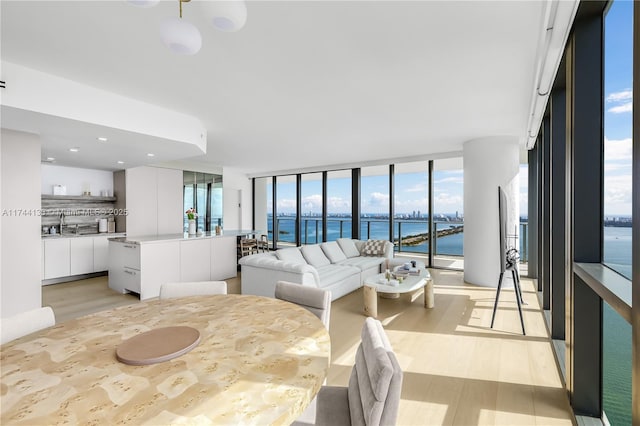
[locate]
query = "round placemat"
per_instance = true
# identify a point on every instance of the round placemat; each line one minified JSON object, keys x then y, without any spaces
{"x":159,"y":345}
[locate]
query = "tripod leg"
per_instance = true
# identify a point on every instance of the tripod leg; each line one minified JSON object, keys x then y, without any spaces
{"x":519,"y":286}
{"x":516,"y":287}
{"x":495,"y":305}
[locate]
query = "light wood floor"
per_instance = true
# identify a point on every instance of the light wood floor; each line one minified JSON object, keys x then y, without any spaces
{"x":457,"y":370}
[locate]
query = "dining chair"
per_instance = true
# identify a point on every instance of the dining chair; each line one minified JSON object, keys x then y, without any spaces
{"x":200,"y":288}
{"x":373,"y":394}
{"x":318,"y":302}
{"x":248,"y":246}
{"x":315,"y":300}
{"x":26,"y":323}
{"x":263,"y":243}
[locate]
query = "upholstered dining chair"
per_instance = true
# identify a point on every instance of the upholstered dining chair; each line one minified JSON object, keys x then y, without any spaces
{"x":315,"y":300}
{"x":26,"y":323}
{"x":373,"y":395}
{"x":201,"y":288}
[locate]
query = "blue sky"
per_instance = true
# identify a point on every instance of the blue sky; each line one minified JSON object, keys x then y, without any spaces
{"x":618,"y":71}
{"x":411,"y":188}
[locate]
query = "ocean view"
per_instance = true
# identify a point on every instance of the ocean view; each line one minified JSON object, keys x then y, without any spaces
{"x":617,"y":255}
{"x":616,"y":334}
{"x":377,"y":229}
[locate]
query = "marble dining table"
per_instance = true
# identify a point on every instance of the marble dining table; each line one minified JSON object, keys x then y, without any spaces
{"x":259,"y":361}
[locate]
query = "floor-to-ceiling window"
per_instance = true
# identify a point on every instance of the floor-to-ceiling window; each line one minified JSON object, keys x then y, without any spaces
{"x":311,"y":208}
{"x":411,"y":207}
{"x":374,"y":203}
{"x":448,"y":213}
{"x":601,"y":368}
{"x":203,"y":193}
{"x":524,"y":208}
{"x":286,"y":207}
{"x":618,"y":187}
{"x":618,"y":184}
{"x":338,"y":204}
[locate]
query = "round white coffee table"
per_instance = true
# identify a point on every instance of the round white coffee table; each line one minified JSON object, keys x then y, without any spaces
{"x":378,"y":284}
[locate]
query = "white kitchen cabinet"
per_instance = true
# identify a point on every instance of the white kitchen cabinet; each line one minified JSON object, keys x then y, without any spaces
{"x":100,"y":254}
{"x":154,"y":201}
{"x":81,"y":256}
{"x":224,"y":260}
{"x":124,"y":261}
{"x":116,"y":266}
{"x":142,"y":201}
{"x":132,"y":280}
{"x":56,"y":258}
{"x":170,"y":203}
{"x":195,"y":260}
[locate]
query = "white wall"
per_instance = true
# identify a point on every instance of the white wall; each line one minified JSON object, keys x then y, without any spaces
{"x":21,"y":252}
{"x":488,"y":163}
{"x":75,"y":179}
{"x":261,"y":204}
{"x":232,"y":181}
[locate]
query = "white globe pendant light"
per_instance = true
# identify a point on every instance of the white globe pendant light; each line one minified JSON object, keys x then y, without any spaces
{"x":226,"y":15}
{"x":180,"y":36}
{"x":143,"y":3}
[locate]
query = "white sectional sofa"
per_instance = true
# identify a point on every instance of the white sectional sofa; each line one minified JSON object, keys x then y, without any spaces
{"x":338,"y":266}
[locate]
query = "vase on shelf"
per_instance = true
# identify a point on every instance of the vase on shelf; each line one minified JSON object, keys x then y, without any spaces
{"x":192,"y":226}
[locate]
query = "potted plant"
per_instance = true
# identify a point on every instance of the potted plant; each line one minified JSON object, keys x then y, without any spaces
{"x":191,"y":217}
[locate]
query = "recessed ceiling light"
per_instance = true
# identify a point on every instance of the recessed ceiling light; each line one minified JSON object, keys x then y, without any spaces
{"x":120,"y":162}
{"x":150,"y":155}
{"x":102,"y":139}
{"x":50,"y":158}
{"x":74,"y":149}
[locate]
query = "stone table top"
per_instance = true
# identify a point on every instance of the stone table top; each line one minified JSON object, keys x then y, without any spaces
{"x":260,"y":361}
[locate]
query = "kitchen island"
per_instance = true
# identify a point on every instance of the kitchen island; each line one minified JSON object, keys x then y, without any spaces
{"x":142,"y":264}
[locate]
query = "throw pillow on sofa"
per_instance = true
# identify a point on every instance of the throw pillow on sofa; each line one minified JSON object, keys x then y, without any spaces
{"x":333,"y":251}
{"x":348,"y":246}
{"x":292,"y":255}
{"x":315,"y":256}
{"x":373,"y":248}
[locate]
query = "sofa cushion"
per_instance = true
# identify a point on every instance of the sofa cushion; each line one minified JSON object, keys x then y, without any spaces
{"x":315,"y":256}
{"x":292,"y":255}
{"x":333,"y":251}
{"x":373,"y":248}
{"x":363,"y":262}
{"x":330,"y":274}
{"x":348,"y":246}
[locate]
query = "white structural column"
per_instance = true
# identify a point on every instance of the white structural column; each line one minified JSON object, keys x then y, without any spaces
{"x":488,"y":164}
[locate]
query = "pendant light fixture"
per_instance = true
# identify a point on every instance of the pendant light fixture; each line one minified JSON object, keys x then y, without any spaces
{"x":143,"y":3}
{"x":226,"y":15}
{"x":182,"y":37}
{"x":179,"y":35}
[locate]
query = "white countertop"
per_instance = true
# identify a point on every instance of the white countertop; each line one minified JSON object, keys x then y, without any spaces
{"x":97,"y":234}
{"x":145,"y":239}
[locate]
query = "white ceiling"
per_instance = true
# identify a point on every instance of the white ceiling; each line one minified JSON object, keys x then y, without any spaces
{"x":304,"y":84}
